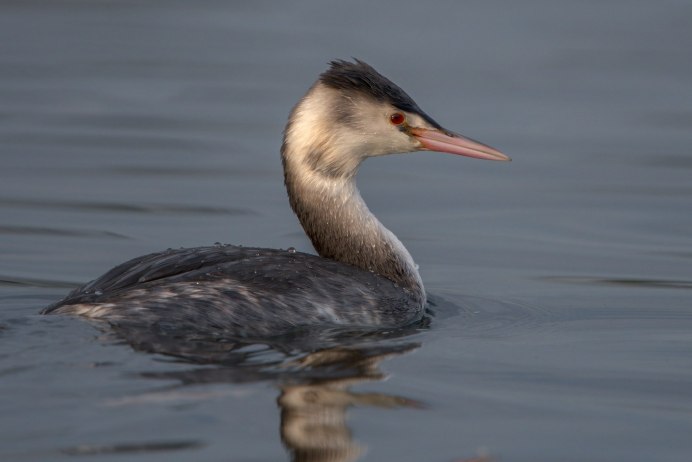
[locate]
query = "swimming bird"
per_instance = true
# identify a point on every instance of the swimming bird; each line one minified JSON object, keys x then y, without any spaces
{"x":363,"y":276}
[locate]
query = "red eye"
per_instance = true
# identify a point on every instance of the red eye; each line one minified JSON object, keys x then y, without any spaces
{"x":397,"y":118}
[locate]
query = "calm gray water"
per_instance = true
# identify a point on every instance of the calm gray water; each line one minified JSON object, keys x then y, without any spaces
{"x":563,"y":281}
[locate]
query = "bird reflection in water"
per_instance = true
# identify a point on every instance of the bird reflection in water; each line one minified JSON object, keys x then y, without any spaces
{"x":314,"y":372}
{"x":313,"y":414}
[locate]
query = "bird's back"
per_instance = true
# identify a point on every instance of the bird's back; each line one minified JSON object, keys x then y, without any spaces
{"x":242,"y":291}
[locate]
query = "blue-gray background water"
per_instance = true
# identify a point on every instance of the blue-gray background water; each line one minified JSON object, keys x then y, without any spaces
{"x":563,"y":280}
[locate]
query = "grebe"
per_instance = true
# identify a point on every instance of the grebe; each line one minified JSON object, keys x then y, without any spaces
{"x":364,"y":276}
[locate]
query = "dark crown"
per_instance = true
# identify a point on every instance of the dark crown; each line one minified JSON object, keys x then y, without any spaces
{"x":360,"y":77}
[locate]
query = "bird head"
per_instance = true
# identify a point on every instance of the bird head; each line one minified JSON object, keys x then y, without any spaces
{"x":353,"y":112}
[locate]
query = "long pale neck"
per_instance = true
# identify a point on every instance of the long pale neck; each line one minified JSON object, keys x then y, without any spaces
{"x":341,"y":226}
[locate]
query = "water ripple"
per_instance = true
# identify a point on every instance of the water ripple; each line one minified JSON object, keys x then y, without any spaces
{"x":125,"y":208}
{"x":128,"y":448}
{"x":187,"y":171}
{"x":485,"y":317}
{"x":45,"y":231}
{"x":629,"y":282}
{"x":13,"y":281}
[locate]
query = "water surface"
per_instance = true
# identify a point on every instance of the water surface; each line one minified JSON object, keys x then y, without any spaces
{"x":562,"y":282}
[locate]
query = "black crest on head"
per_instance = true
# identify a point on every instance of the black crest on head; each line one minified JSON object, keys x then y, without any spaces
{"x":360,"y":77}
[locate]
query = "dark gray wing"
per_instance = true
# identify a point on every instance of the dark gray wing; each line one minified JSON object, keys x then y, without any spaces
{"x":229,"y":287}
{"x":151,"y":267}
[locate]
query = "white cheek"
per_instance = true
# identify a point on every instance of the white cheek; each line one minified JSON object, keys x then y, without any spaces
{"x":381,"y":137}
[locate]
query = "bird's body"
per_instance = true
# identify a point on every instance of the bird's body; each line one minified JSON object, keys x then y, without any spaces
{"x":364,"y":276}
{"x":220,"y":288}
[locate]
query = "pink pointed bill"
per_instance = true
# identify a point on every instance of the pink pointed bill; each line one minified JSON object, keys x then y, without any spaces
{"x":452,"y":143}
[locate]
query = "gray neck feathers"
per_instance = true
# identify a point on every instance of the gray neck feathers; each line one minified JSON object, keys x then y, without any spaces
{"x":322,"y":191}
